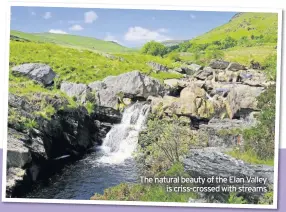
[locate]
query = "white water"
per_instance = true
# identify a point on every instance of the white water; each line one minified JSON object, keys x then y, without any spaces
{"x":121,"y":141}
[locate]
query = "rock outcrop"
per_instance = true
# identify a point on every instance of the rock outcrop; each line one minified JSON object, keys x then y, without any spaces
{"x":41,"y":73}
{"x":222,"y":89}
{"x":36,"y":152}
{"x":157,"y":66}
{"x":133,"y":85}
{"x":208,"y":162}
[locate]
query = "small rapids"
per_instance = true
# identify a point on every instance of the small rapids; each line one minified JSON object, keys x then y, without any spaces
{"x":111,"y":164}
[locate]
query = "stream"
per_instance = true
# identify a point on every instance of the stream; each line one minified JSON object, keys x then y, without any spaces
{"x":109,"y":165}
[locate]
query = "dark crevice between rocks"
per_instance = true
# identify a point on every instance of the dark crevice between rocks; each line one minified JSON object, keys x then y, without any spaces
{"x":197,"y":121}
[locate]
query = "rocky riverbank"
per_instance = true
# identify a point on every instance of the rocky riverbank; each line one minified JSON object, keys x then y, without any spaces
{"x":216,"y":102}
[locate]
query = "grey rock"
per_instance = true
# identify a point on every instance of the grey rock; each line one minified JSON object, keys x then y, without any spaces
{"x":223,"y":132}
{"x":209,"y":162}
{"x":242,"y":97}
{"x":219,"y":64}
{"x":157,"y":66}
{"x":17,"y":154}
{"x":236,"y":67}
{"x":129,"y":85}
{"x":41,"y":73}
{"x":80,"y":91}
{"x":14,"y":177}
{"x":204,"y":74}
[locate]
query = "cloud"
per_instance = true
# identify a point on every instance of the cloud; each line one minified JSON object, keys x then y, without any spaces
{"x":33,"y":13}
{"x":47,"y":15}
{"x":90,"y":17}
{"x":192,"y":16}
{"x":57,"y":31}
{"x":76,"y":27}
{"x":141,"y":34}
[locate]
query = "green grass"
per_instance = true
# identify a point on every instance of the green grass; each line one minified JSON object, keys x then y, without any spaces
{"x":250,"y":157}
{"x":74,"y":65}
{"x":244,"y":24}
{"x":73,"y":41}
{"x":240,"y":54}
{"x":83,"y":66}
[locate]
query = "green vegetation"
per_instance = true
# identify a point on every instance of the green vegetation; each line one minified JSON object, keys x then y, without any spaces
{"x":74,"y":41}
{"x":250,"y":157}
{"x":148,"y":192}
{"x":83,"y":66}
{"x":164,"y":143}
{"x":247,"y":37}
{"x":154,"y":48}
{"x":260,"y":139}
{"x":250,"y":25}
{"x":140,"y":192}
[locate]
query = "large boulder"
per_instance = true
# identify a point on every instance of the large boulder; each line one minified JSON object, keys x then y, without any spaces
{"x":157,"y":66}
{"x":206,"y":73}
{"x":192,"y":102}
{"x":209,"y":162}
{"x":69,"y":132}
{"x":191,"y":69}
{"x":219,"y":64}
{"x":17,"y":154}
{"x":41,"y":73}
{"x":242,"y":97}
{"x":236,"y":67}
{"x":133,"y":85}
{"x":254,"y":78}
{"x":78,"y":91}
{"x":223,"y":132}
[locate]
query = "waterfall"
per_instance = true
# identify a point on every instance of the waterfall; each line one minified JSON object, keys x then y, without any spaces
{"x":121,"y":141}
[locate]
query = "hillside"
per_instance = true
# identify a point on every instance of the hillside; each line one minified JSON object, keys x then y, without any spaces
{"x":72,"y":41}
{"x":244,"y":24}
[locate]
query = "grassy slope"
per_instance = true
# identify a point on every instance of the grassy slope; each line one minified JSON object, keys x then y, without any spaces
{"x":244,"y":24}
{"x":259,"y":24}
{"x":73,"y":41}
{"x":82,"y":65}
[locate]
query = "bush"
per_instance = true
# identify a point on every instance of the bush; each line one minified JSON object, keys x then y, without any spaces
{"x":269,"y":66}
{"x":154,"y":48}
{"x":213,"y":52}
{"x":164,"y":143}
{"x":174,"y":56}
{"x":261,"y":138}
{"x":228,"y":42}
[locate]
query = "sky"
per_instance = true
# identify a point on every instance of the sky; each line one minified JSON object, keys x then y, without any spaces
{"x":131,"y":28}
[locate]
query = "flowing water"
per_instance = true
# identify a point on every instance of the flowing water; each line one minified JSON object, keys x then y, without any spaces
{"x":110,"y":165}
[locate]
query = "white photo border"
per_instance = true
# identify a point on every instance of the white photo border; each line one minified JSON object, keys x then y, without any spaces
{"x":144,"y":7}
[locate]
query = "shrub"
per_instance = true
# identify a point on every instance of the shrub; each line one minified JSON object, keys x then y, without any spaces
{"x":154,"y":48}
{"x":228,"y":42}
{"x":269,"y":66}
{"x":213,"y":52}
{"x":164,"y":143}
{"x":260,"y":139}
{"x":174,"y":56}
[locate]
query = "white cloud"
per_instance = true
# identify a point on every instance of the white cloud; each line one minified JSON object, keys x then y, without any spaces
{"x":57,"y":31}
{"x":76,"y":27}
{"x":141,"y":34}
{"x":110,"y":37}
{"x":192,"y":16}
{"x":33,"y":13}
{"x":47,"y":15}
{"x":90,"y":17}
